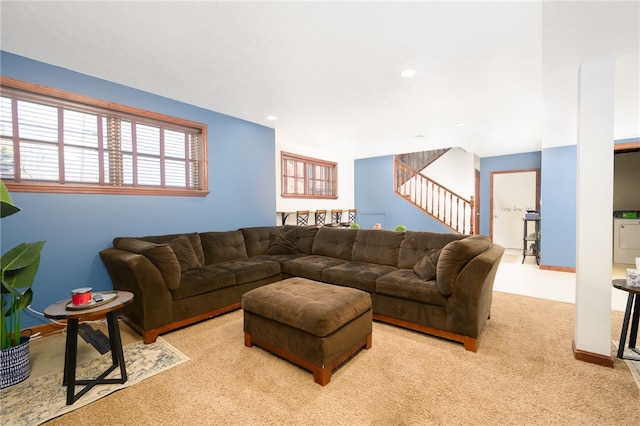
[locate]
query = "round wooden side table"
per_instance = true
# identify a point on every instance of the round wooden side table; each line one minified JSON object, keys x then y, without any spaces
{"x":65,"y":311}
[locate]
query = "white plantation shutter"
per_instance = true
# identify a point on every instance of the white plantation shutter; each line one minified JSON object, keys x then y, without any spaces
{"x":44,"y":139}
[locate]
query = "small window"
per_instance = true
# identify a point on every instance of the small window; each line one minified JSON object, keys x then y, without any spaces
{"x":55,"y":141}
{"x":304,"y":177}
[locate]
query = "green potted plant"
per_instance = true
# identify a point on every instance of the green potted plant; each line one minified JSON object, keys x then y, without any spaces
{"x":401,"y":228}
{"x":18,"y":268}
{"x":354,"y":226}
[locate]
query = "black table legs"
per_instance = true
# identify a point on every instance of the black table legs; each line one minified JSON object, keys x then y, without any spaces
{"x":634,"y":327}
{"x":71,"y":355}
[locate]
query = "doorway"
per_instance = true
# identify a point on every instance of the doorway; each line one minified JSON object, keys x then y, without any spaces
{"x":512,"y":194}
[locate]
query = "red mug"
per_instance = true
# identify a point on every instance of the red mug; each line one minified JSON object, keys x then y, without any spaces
{"x":81,"y":296}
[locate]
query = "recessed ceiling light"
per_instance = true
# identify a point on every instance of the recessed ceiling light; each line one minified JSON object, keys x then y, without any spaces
{"x":408,"y":73}
{"x":272,"y":117}
{"x":461,"y":124}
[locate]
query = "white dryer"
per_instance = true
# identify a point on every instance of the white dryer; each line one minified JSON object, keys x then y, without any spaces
{"x":626,"y":240}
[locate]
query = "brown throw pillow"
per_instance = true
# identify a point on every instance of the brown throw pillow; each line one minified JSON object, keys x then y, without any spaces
{"x":160,"y":255}
{"x":185,"y":253}
{"x":283,"y":243}
{"x":426,"y":267}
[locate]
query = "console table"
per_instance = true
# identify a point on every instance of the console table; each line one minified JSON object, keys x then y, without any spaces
{"x":59,"y":311}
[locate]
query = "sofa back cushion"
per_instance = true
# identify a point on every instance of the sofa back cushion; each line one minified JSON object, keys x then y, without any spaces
{"x":222,"y":246}
{"x":283,"y":242}
{"x":334,"y":242}
{"x":454,"y":256}
{"x":417,"y":243}
{"x":377,"y":246}
{"x":304,"y":238}
{"x":256,"y":239}
{"x":193,"y":237}
{"x":161,"y":255}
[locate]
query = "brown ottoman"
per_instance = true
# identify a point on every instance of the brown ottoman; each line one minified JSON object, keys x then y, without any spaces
{"x":314,"y":325}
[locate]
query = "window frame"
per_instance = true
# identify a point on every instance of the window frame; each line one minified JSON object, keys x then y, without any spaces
{"x":307,"y":161}
{"x":62,"y":99}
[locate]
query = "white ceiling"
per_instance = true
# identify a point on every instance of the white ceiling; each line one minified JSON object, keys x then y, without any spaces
{"x":330,"y":71}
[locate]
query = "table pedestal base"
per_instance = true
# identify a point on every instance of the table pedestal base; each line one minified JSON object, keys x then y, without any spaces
{"x":633,"y":335}
{"x":71,"y":355}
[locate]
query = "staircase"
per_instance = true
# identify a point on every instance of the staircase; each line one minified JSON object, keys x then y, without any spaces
{"x":421,"y":159}
{"x":447,"y":207}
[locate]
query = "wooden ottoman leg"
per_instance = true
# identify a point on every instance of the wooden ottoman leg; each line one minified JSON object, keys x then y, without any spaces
{"x":322,"y":376}
{"x":369,"y":341}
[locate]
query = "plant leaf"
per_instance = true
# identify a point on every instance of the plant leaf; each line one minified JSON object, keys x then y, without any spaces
{"x":20,"y":256}
{"x":6,"y":204}
{"x":20,"y":278}
{"x":20,"y":303}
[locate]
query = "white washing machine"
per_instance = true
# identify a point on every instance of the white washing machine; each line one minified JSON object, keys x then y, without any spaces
{"x":626,"y":240}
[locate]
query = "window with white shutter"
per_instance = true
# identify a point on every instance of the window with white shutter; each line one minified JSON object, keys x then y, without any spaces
{"x":55,"y":141}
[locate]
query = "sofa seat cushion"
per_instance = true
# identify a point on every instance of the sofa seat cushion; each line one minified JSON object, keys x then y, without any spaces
{"x":309,"y":266}
{"x":405,"y":284}
{"x":222,"y":246}
{"x":250,"y":270}
{"x":334,"y":242}
{"x":203,"y":280}
{"x":359,"y":275}
{"x":280,"y":258}
{"x":377,"y":246}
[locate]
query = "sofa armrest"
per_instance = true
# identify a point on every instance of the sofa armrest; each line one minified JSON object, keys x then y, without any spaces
{"x":469,"y":305}
{"x":151,"y":305}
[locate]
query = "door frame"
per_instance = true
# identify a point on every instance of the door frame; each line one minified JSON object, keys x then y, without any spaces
{"x":491,"y":192}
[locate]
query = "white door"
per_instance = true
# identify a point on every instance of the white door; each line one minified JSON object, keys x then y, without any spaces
{"x":513,"y":193}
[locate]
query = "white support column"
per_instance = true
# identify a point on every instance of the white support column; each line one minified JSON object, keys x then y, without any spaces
{"x":596,"y":81}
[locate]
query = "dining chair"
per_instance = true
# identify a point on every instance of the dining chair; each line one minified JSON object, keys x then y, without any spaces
{"x":302,"y":217}
{"x":336,"y":217}
{"x":321,"y":217}
{"x":351,"y":218}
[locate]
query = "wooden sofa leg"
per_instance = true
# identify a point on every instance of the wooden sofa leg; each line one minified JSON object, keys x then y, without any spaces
{"x":369,"y":341}
{"x":247,"y":340}
{"x":470,"y":344}
{"x":150,"y":337}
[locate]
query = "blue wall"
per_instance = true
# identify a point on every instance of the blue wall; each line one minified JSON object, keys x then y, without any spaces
{"x":77,"y":226}
{"x":377,"y":202}
{"x":558,"y":206}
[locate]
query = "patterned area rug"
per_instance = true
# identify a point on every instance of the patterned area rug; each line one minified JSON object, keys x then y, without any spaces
{"x":35,"y":402}
{"x":634,"y":365}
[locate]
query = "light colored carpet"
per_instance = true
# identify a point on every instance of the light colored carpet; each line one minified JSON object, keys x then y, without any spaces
{"x":523,"y":373}
{"x":42,"y":398}
{"x":633,"y":362}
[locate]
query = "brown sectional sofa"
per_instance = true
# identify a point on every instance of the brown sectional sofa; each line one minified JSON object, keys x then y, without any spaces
{"x":437,"y":283}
